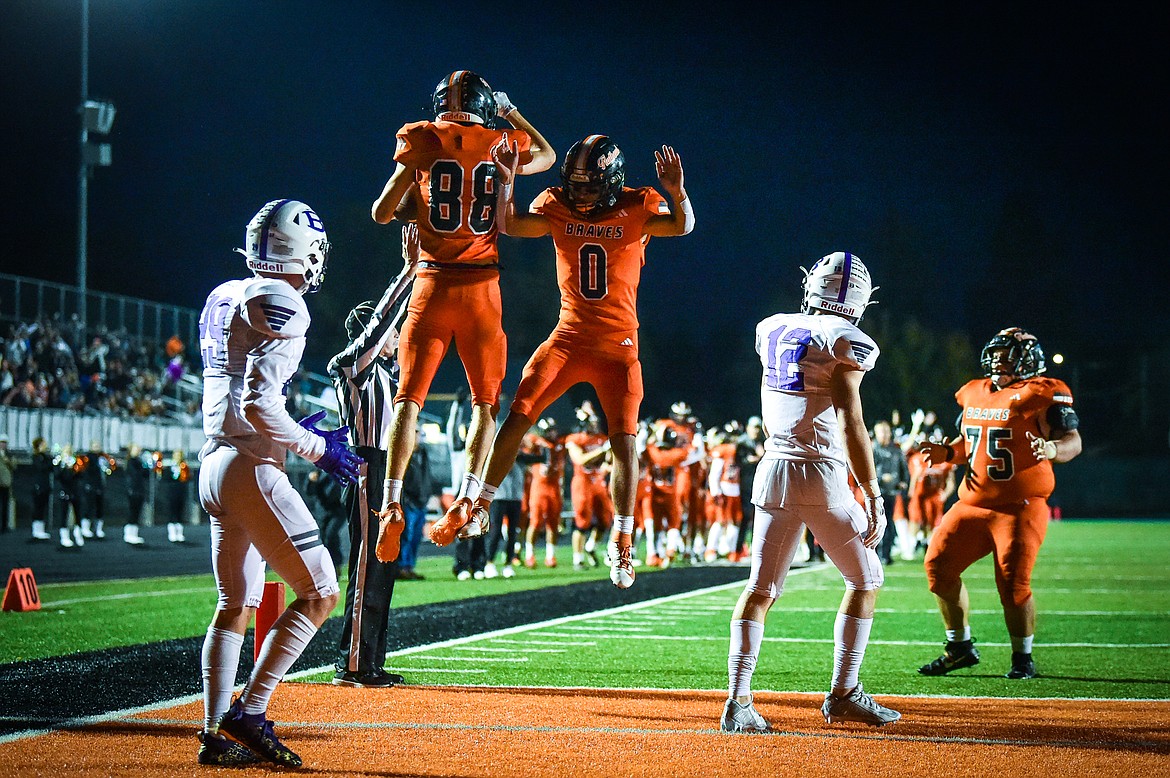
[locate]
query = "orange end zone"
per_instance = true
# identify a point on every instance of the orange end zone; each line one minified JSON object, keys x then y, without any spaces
{"x":443,"y":730}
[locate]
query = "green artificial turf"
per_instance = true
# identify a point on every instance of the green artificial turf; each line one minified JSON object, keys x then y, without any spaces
{"x":104,"y":614}
{"x":1102,"y":592}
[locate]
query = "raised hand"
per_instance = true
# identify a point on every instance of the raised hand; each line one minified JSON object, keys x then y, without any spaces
{"x":668,"y":165}
{"x":506,"y":155}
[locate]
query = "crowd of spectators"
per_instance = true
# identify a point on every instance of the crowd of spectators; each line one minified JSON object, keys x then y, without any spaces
{"x":55,"y":363}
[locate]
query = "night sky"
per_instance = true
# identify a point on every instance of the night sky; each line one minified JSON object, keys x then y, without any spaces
{"x":991,"y":166}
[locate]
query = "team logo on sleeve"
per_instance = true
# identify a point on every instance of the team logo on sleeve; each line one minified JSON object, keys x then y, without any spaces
{"x":277,"y":315}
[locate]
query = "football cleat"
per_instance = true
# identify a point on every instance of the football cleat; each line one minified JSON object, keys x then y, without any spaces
{"x":530,"y":561}
{"x":390,"y":529}
{"x":1022,"y":666}
{"x":218,"y":751}
{"x":956,"y":656}
{"x":448,"y":527}
{"x":255,"y":732}
{"x":550,"y":561}
{"x":621,"y":567}
{"x":857,"y":706}
{"x":742,"y":718}
{"x":478,"y":525}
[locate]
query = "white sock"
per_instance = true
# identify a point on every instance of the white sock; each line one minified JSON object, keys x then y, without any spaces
{"x":959,"y":635}
{"x":590,"y":544}
{"x":550,"y":551}
{"x":221,"y":660}
{"x":624,"y":524}
{"x":1022,"y":645}
{"x":714,"y":536}
{"x":578,"y":558}
{"x":851,"y":635}
{"x":287,"y":638}
{"x":392,"y":490}
{"x":746,"y":639}
{"x":487,"y":493}
{"x":648,"y":528}
{"x":471,"y":487}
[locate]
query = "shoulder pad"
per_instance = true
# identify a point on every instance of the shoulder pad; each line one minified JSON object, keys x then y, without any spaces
{"x":547,"y":201}
{"x":414,"y":140}
{"x":275,"y":309}
{"x":849,"y":344}
{"x":1054,"y":389}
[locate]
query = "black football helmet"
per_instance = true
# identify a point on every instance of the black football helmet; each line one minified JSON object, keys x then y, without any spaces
{"x":593,"y":174}
{"x":464,"y":96}
{"x":1021,"y":354}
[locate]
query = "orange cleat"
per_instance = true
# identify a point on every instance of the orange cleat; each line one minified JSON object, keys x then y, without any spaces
{"x":391,"y":522}
{"x":550,"y":561}
{"x":444,"y":530}
{"x":653,"y":560}
{"x":530,"y":562}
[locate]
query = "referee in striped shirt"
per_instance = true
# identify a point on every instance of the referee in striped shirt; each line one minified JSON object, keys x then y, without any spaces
{"x":364,"y":377}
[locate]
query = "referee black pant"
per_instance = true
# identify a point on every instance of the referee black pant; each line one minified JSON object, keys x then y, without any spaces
{"x":362,"y":648}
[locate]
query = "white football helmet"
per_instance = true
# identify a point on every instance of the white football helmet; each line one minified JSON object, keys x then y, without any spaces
{"x":287,"y":236}
{"x":838,"y":283}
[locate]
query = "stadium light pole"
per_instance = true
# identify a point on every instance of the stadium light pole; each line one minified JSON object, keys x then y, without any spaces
{"x":96,"y":117}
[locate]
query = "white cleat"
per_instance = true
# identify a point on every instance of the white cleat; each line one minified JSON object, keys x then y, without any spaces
{"x":621,"y":566}
{"x":742,"y":718}
{"x":858,"y":706}
{"x":477,"y":526}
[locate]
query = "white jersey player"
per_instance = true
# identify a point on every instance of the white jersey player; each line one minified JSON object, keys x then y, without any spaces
{"x":251,"y":337}
{"x":813,"y":363}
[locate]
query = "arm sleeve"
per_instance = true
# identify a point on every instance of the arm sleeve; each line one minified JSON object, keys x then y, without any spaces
{"x":358,"y":358}
{"x":263,"y":401}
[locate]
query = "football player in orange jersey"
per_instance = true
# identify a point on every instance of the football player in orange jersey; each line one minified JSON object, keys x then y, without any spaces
{"x":662,"y":514}
{"x":931,"y":484}
{"x":588,"y":450}
{"x":1015,"y":424}
{"x":689,"y":484}
{"x":600,"y":229}
{"x":546,"y":497}
{"x":444,"y":172}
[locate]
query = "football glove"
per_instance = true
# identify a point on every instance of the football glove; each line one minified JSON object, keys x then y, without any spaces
{"x":504,"y":106}
{"x":875,"y":516}
{"x":338,"y":461}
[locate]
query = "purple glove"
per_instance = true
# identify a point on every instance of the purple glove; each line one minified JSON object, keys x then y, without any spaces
{"x":338,"y":461}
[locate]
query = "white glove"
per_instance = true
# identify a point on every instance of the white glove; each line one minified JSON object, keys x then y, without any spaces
{"x":875,"y":514}
{"x":918,"y":416}
{"x":504,"y":106}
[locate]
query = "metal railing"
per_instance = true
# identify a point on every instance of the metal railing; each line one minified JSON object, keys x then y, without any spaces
{"x":24,"y":299}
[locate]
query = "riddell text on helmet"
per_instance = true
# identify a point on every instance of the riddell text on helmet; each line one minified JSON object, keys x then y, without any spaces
{"x":837,"y":307}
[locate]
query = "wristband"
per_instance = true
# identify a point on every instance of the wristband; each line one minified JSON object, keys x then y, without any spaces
{"x":871,"y":486}
{"x":688,"y":215}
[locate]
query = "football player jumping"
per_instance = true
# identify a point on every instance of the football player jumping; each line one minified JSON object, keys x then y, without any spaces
{"x":813,"y":364}
{"x":1015,"y":423}
{"x":457,"y":293}
{"x":600,"y":229}
{"x":251,"y":337}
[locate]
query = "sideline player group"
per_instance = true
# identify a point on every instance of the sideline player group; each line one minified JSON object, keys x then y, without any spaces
{"x":454,"y":178}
